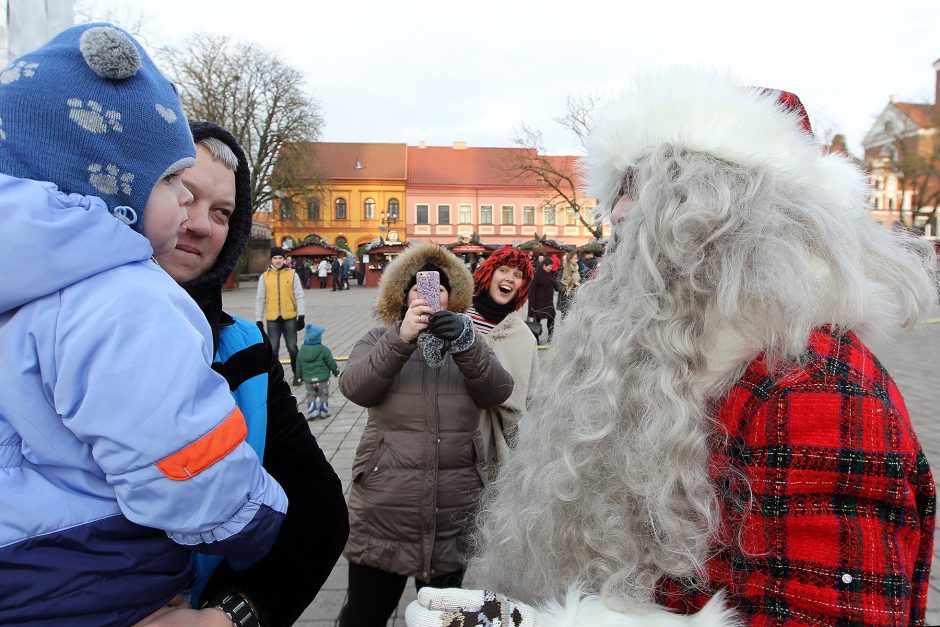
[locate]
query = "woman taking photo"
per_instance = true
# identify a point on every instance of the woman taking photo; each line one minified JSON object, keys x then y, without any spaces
{"x":419,"y":468}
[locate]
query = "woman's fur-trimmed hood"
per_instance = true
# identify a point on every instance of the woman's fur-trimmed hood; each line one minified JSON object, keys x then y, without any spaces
{"x":391,"y":299}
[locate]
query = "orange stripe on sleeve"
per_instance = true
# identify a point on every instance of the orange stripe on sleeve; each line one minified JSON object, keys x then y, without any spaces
{"x":207,"y":450}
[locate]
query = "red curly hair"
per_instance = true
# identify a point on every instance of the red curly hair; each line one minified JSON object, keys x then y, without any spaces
{"x":505,"y":256}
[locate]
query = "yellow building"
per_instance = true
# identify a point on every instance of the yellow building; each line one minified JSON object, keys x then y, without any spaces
{"x":347,"y":194}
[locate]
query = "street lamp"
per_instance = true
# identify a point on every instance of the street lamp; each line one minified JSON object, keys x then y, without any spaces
{"x":390,"y":217}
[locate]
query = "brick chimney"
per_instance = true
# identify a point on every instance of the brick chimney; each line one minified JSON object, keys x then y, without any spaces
{"x":936,"y":97}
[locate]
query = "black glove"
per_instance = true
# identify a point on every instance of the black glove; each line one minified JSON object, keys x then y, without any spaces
{"x":260,"y":325}
{"x":446,"y":325}
{"x":300,"y":323}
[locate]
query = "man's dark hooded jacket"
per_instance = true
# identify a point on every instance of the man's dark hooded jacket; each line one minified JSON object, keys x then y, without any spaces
{"x":283,"y":583}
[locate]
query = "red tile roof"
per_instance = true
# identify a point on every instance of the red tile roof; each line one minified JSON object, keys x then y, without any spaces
{"x":923,"y":115}
{"x":338,"y":160}
{"x":471,"y":167}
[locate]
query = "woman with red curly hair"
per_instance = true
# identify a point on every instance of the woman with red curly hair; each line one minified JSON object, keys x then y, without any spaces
{"x":501,"y":287}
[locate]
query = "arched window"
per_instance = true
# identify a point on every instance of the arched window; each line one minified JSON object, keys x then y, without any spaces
{"x":393,"y":208}
{"x":340,"y":208}
{"x":342,"y":242}
{"x":313,"y":209}
{"x":368,"y":209}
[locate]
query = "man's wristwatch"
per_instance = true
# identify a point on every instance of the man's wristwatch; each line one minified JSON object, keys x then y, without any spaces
{"x":236,"y":607}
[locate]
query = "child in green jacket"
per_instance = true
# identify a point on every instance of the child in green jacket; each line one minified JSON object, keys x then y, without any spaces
{"x":314,"y":364}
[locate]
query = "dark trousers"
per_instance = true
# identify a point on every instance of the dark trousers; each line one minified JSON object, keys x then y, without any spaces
{"x":322,"y":282}
{"x":373,"y":594}
{"x":287,"y":328}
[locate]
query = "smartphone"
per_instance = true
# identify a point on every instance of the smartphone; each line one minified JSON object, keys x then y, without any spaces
{"x":429,"y":288}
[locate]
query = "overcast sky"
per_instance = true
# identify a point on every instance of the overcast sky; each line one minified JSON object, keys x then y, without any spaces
{"x":440,"y":71}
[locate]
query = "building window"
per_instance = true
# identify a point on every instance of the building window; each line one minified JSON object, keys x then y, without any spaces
{"x":287,"y":209}
{"x":507,"y":212}
{"x":549,"y":215}
{"x":528,"y":214}
{"x":570,"y":218}
{"x":368,"y":209}
{"x":876,"y":203}
{"x":486,"y":214}
{"x":443,"y":214}
{"x":422,"y":214}
{"x":313,"y":209}
{"x":340,"y":208}
{"x":464,"y":214}
{"x":393,"y":207}
{"x":891,"y":203}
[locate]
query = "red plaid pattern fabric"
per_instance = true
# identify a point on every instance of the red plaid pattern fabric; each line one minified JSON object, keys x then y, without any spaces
{"x":829,"y":504}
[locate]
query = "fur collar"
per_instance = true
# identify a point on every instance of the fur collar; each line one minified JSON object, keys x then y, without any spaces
{"x":398,"y":274}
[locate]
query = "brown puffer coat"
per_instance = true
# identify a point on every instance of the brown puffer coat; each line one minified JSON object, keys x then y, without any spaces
{"x":419,"y":468}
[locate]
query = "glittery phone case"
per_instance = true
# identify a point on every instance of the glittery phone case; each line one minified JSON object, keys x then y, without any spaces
{"x":429,"y":284}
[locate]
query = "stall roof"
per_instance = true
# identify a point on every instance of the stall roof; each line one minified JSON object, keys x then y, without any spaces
{"x":387,"y":249}
{"x":469,"y":247}
{"x":313,"y":250}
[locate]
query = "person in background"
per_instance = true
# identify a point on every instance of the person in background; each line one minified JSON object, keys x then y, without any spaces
{"x":336,"y":272}
{"x":344,"y":271}
{"x":280,"y":302}
{"x":122,"y":450}
{"x":724,"y":444}
{"x":323,"y":270}
{"x":360,"y":273}
{"x":501,"y":287}
{"x":568,"y":280}
{"x":280,"y":586}
{"x":315,"y":362}
{"x":542,"y":296}
{"x":419,"y":467}
{"x":587,"y":265}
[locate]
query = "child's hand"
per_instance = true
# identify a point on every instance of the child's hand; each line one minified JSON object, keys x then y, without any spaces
{"x":208,"y":617}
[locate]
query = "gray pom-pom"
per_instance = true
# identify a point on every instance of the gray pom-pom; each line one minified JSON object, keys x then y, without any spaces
{"x":109,"y":52}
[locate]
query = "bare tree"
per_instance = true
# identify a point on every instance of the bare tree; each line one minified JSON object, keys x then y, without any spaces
{"x":254,"y":94}
{"x":559,"y":175}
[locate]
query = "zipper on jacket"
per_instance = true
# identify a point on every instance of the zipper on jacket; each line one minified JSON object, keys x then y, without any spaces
{"x":277,"y":277}
{"x":437,"y":471}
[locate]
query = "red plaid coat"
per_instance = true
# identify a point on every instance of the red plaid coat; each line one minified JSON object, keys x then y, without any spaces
{"x":839,"y":526}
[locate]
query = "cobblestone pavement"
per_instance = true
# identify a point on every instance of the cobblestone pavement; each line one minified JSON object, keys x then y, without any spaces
{"x":912,"y":359}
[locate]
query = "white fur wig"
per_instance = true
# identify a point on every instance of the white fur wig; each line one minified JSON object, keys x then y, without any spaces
{"x":747,"y":126}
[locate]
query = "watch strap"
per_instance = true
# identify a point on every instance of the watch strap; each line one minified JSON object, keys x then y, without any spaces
{"x":236,"y":607}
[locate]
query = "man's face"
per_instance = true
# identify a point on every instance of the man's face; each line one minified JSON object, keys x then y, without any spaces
{"x":620,"y":210}
{"x":277,"y":261}
{"x":212,"y":185}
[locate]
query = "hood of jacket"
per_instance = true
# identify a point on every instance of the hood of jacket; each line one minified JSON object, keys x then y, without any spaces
{"x":313,"y":334}
{"x":50,"y":240}
{"x":398,"y":274}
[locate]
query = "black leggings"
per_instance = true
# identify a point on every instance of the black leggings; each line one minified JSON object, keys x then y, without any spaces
{"x":373,"y":594}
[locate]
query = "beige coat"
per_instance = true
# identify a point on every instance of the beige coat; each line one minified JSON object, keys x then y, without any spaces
{"x":517,"y":351}
{"x":419,"y":468}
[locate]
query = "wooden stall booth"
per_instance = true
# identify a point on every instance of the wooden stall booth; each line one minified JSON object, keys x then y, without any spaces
{"x":314,"y":253}
{"x":375,"y":258}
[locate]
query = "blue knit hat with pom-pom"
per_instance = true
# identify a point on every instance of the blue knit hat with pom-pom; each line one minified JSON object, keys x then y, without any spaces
{"x":90,"y":112}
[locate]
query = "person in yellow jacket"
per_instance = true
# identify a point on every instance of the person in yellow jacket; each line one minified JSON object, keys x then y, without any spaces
{"x":280,"y":301}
